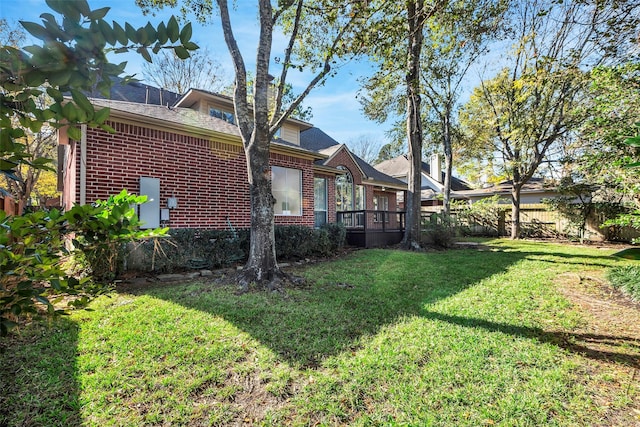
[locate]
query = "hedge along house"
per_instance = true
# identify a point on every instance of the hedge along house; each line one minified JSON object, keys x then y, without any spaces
{"x":189,"y":160}
{"x":365,"y":199}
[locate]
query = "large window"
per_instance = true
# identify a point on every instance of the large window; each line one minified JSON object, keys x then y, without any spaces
{"x":320,"y":201}
{"x":350,"y":197}
{"x":286,"y":185}
{"x":344,"y":191}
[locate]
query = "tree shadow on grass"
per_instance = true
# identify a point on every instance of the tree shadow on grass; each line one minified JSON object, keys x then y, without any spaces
{"x":593,"y":346}
{"x":38,"y":376}
{"x":345,"y":299}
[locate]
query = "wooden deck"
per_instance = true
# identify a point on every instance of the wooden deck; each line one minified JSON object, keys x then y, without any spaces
{"x":372,"y":229}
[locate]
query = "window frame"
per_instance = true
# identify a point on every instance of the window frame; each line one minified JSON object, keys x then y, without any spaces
{"x":275,"y":191}
{"x":377,"y":198}
{"x":325,"y":183}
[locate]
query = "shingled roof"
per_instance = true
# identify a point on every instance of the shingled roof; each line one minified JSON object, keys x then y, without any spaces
{"x":138,"y":92}
{"x":186,"y":117}
{"x":399,"y":166}
{"x":315,"y":139}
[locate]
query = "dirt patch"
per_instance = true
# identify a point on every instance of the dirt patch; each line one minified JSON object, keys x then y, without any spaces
{"x":609,"y":339}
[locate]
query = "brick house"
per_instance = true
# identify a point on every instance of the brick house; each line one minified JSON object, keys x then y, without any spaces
{"x":366,"y":200}
{"x":189,"y":160}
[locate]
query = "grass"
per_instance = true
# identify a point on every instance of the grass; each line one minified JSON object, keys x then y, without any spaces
{"x":627,"y":279}
{"x":381,"y":337}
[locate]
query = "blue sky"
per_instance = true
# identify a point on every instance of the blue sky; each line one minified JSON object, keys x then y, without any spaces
{"x":335,"y":107}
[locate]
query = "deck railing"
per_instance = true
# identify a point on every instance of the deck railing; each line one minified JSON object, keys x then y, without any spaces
{"x":371,"y":220}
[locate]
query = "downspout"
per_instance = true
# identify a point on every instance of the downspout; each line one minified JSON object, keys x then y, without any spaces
{"x":83,"y":165}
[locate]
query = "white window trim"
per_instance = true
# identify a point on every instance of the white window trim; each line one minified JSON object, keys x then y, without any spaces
{"x":300,"y":192}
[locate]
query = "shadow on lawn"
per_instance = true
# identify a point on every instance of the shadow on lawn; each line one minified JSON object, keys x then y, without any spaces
{"x":38,"y":376}
{"x":593,"y":346}
{"x":335,"y":311}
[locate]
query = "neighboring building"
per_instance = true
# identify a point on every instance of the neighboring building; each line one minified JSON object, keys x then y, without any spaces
{"x":190,"y":162}
{"x":432,"y":186}
{"x":8,"y":204}
{"x":532,"y":193}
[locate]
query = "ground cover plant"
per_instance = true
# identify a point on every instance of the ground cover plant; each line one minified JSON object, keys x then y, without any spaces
{"x":513,"y":333}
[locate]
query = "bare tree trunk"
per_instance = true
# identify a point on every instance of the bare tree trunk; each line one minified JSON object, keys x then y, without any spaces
{"x":515,"y":210}
{"x":261,"y":266}
{"x":412,"y":236}
{"x":448,"y":161}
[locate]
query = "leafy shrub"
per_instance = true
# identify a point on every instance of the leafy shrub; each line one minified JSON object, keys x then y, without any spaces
{"x":32,"y":250}
{"x":438,"y":232}
{"x":187,"y":248}
{"x":482,"y":217}
{"x":627,"y":279}
{"x":104,"y":228}
{"x":337,"y":235}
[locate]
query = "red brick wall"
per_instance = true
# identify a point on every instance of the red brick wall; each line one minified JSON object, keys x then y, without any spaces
{"x":208,"y":178}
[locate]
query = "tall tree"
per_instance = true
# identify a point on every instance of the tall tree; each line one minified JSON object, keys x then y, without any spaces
{"x":318,"y":33}
{"x":199,"y":71}
{"x":396,"y":41}
{"x":530,"y":105}
{"x":41,"y":144}
{"x":455,"y":38}
{"x":598,"y":153}
{"x":416,"y":16}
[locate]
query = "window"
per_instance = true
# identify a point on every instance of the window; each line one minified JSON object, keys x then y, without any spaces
{"x":360,"y":202}
{"x":224,"y":115}
{"x":286,"y":185}
{"x":320,"y":201}
{"x":344,"y":191}
{"x":381,"y":203}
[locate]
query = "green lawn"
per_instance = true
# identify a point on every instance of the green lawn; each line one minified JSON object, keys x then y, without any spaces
{"x":381,"y":337}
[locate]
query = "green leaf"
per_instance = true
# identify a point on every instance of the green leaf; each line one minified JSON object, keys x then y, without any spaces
{"x":36,"y":30}
{"x":82,"y":101}
{"x":141,"y":36}
{"x":173,"y":31}
{"x":59,"y":78}
{"x":55,"y":94}
{"x":108,"y":32}
{"x":101,"y":115}
{"x":162,"y":33}
{"x":35,"y":126}
{"x":57,"y":5}
{"x":70,"y":112}
{"x":74,"y":133}
{"x":120,"y":34}
{"x":181,"y":52}
{"x":145,"y":53}
{"x":131,"y":32}
{"x":191,"y":46}
{"x":185,"y":34}
{"x":152,"y":35}
{"x":98,"y":13}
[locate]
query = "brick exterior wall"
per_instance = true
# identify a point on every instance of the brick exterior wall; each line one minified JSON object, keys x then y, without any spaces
{"x":208,"y":177}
